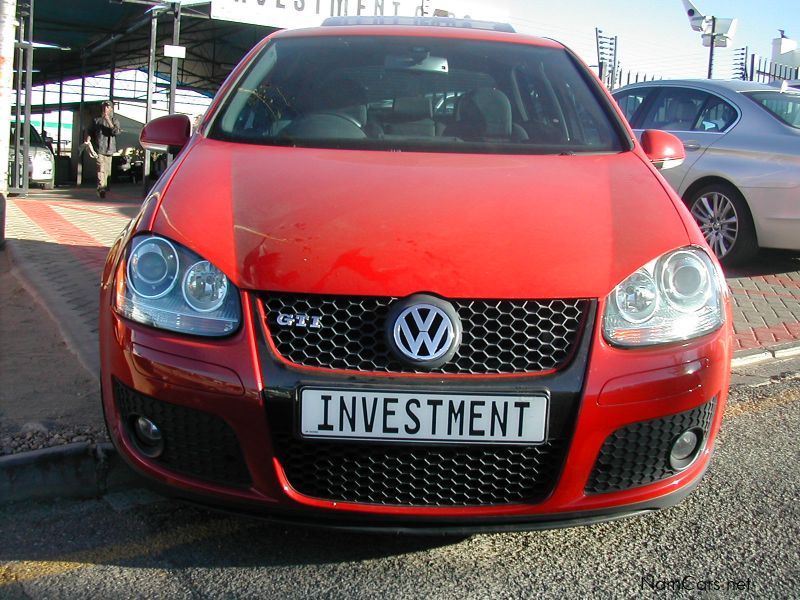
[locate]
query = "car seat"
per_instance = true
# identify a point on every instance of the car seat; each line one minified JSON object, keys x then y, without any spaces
{"x":681,"y":115}
{"x":412,"y":116}
{"x":484,"y":114}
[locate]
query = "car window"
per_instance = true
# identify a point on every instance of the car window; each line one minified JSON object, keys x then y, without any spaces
{"x":784,"y":106}
{"x":675,"y":109}
{"x":420,"y":94}
{"x":630,"y":101}
{"x":717,"y":115}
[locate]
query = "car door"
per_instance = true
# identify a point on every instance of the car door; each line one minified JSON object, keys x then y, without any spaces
{"x":696,"y":117}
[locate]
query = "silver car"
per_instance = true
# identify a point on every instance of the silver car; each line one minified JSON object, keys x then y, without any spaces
{"x":41,"y":162}
{"x":741,"y":176}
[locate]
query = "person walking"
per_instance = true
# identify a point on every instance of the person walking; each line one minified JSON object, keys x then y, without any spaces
{"x":102,"y":143}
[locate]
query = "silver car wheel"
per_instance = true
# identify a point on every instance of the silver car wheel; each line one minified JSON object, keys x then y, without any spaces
{"x":716,"y":215}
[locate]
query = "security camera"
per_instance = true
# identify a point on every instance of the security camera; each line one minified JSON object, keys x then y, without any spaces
{"x":697,"y":20}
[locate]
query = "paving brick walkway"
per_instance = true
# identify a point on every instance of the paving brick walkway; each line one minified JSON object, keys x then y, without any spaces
{"x":766,"y":298}
{"x":59,"y":240}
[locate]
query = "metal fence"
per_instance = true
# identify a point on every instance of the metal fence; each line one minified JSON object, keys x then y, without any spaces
{"x":622,"y":77}
{"x":746,"y":66}
{"x":764,"y":71}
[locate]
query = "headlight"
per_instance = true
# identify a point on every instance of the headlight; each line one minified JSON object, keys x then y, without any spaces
{"x":41,"y":157}
{"x":162,"y":284}
{"x":673,"y":298}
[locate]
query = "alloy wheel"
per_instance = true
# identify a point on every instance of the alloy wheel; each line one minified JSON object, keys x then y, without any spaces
{"x":716,"y":215}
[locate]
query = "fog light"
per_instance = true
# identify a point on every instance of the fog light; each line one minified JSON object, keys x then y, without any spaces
{"x":685,"y":449}
{"x":148,"y":436}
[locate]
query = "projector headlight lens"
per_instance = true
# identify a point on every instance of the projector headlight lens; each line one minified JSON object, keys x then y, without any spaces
{"x":675,"y":297}
{"x":147,"y":291}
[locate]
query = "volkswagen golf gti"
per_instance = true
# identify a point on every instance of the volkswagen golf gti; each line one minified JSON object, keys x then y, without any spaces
{"x":415,"y":274}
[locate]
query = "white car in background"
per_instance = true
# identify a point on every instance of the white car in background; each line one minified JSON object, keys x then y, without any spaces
{"x":41,"y":162}
{"x":741,"y":176}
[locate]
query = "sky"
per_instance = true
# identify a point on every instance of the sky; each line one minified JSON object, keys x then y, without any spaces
{"x":653,"y":36}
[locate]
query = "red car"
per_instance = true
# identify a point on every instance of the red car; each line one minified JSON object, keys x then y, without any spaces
{"x":415,"y":275}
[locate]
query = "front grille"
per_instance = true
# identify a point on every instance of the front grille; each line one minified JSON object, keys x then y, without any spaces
{"x":406,"y":475}
{"x":638,"y":454}
{"x":499,"y":336}
{"x":195,"y":443}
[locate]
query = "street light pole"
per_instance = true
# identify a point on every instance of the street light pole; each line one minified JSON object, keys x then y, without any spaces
{"x":711,"y":48}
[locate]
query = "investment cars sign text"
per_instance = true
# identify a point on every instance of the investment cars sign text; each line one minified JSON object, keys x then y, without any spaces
{"x":309,"y":13}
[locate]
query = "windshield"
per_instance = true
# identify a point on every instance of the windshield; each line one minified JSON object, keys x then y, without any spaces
{"x":417,"y":94}
{"x":784,"y":106}
{"x":35,"y":138}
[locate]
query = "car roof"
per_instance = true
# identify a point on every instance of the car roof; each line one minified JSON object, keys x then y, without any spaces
{"x":437,"y":27}
{"x":712,"y":85}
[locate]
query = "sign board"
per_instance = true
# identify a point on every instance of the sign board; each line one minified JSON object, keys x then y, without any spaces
{"x":174,"y":51}
{"x":287,"y":14}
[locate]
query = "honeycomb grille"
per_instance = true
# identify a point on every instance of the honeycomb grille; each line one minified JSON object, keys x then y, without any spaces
{"x":404,"y":475}
{"x":195,"y":443}
{"x":502,"y":336}
{"x":639,"y":453}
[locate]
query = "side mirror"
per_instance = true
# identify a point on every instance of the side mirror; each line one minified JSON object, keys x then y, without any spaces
{"x":166,"y":134}
{"x":663,"y":149}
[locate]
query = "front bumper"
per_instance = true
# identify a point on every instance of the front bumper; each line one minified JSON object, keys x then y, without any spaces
{"x":240,"y":458}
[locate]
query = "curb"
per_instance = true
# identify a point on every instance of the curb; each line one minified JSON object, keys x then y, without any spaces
{"x":76,"y":471}
{"x":759,"y":355}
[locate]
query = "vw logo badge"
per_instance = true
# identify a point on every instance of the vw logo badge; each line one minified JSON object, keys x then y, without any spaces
{"x":425,"y":331}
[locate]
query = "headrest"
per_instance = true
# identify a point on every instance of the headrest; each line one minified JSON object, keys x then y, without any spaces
{"x":683,"y":110}
{"x":488,"y":107}
{"x":412,"y":108}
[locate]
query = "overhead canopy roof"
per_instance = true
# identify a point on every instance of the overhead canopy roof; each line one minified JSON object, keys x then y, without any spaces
{"x":102,"y":32}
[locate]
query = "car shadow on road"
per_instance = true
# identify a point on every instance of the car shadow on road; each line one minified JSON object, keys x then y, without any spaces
{"x":767,"y":262}
{"x":187,"y":536}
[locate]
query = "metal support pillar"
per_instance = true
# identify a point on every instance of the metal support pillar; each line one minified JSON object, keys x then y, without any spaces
{"x":176,"y":41}
{"x":173,"y":73}
{"x":151,"y":63}
{"x":81,"y":133}
{"x":112,"y":72}
{"x":26,"y":150}
{"x":60,"y":108}
{"x":16,"y":180}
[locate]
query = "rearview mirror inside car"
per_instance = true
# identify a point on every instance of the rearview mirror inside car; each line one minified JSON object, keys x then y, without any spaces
{"x":418,"y":59}
{"x":663,"y":149}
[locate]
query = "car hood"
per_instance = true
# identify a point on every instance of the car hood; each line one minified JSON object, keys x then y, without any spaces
{"x":393,"y":223}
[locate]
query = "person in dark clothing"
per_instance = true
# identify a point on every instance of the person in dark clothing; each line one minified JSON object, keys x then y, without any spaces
{"x":102,"y":139}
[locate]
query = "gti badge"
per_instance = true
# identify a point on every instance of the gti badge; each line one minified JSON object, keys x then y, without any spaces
{"x":424,"y":331}
{"x":299,"y":320}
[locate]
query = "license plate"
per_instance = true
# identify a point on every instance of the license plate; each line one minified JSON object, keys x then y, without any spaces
{"x":423,"y":417}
